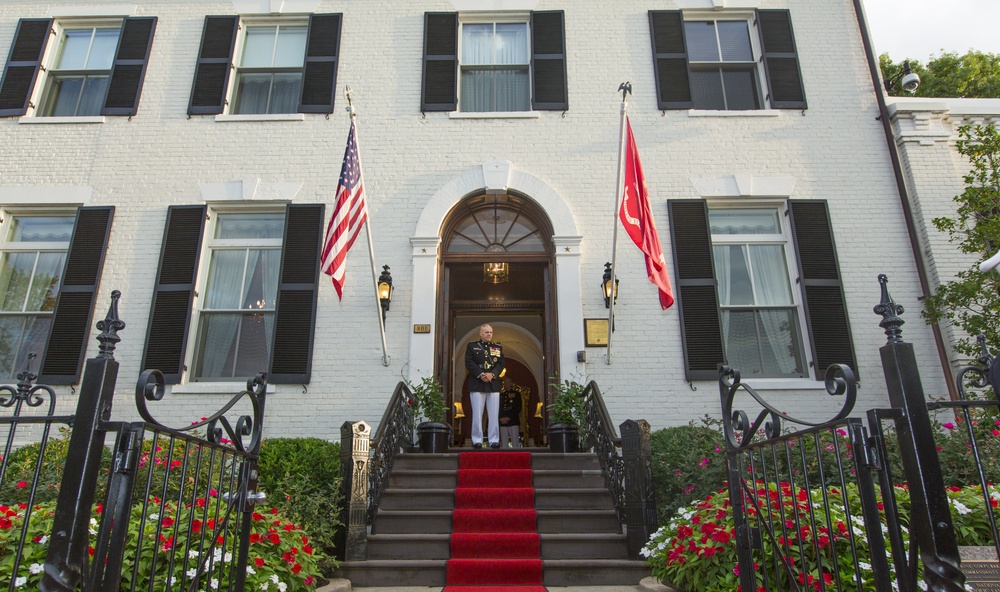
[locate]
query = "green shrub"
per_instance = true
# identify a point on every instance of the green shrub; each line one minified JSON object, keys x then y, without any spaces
{"x":689,"y":462}
{"x":15,"y":483}
{"x":301,"y":477}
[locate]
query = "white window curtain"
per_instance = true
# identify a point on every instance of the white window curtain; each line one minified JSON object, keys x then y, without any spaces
{"x":271,"y":48}
{"x":486,"y":85}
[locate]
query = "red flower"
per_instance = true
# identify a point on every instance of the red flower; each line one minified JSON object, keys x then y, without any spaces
{"x":196,"y":526}
{"x":257,"y":517}
{"x":309,"y":581}
{"x":296,"y":568}
{"x":22,"y":484}
{"x":289,"y":527}
{"x":254,"y":537}
{"x":167,"y":522}
{"x":275,"y":539}
{"x":274,"y":510}
{"x":307,"y":549}
{"x":259,"y":562}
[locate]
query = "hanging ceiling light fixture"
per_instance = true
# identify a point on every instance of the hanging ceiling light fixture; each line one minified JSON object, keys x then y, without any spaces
{"x":496,"y":273}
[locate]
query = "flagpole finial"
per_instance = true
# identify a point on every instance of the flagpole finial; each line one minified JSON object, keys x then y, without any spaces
{"x":349,"y":93}
{"x":626,"y":89}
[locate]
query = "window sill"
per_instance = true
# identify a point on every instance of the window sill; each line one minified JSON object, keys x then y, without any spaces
{"x":262,"y":117}
{"x":495,"y":115}
{"x":55,"y":120}
{"x":757,"y":113}
{"x":213,"y":388}
{"x":784,"y":384}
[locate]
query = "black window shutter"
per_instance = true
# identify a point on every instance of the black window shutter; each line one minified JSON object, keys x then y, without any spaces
{"x":781,"y":63}
{"x":548,"y":61}
{"x":211,"y":75}
{"x":319,"y":78}
{"x":439,"y":90}
{"x":670,"y":60}
{"x":295,"y":310}
{"x":822,"y":288}
{"x":67,"y":344}
{"x":22,"y":65}
{"x":173,"y":294}
{"x":701,"y":324}
{"x":129,"y":68}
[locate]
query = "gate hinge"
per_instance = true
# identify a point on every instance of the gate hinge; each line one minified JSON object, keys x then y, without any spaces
{"x":127,"y":458}
{"x":749,"y":536}
{"x":871,"y":459}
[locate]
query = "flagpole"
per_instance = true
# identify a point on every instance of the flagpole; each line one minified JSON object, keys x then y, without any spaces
{"x":625,"y":88}
{"x":368,"y":231}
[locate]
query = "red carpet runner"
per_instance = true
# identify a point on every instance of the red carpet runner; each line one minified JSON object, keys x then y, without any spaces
{"x":494,"y":540}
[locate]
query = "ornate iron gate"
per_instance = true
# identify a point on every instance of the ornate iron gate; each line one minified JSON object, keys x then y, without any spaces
{"x":806,"y":503}
{"x":163,"y":508}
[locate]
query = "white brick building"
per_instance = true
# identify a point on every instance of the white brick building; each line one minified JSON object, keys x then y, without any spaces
{"x":926,"y":131}
{"x":776,"y":138}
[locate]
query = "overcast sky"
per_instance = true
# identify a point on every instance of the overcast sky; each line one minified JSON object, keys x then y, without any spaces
{"x":919,"y":28}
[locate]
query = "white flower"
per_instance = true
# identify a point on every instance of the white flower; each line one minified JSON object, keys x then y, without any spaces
{"x":250,"y":570}
{"x":36,"y":568}
{"x":154,"y":516}
{"x":215,"y":583}
{"x":865,"y":566}
{"x":645,"y":552}
{"x":282,"y":586}
{"x":192,"y":554}
{"x":43,"y":540}
{"x":18,"y":582}
{"x":922,"y":585}
{"x":217,"y":556}
{"x":274,"y":578}
{"x":192,"y":573}
{"x":263,"y":586}
{"x":995,"y":495}
{"x":228,"y":557}
{"x":960,"y":507}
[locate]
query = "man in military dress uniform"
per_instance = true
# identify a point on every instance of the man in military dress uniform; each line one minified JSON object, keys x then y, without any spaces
{"x":485,"y":363}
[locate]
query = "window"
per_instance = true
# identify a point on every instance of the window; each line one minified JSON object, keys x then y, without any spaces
{"x":78,"y":79}
{"x":723,"y":71}
{"x":758,"y":288}
{"x":509,"y":65}
{"x":760,"y":329}
{"x":494,"y":67}
{"x":257,"y":305}
{"x":236,"y":324}
{"x":50,"y":266}
{"x":283,"y":65}
{"x":742,"y":61}
{"x":31,"y":268}
{"x":94,"y":68}
{"x":269,"y":79}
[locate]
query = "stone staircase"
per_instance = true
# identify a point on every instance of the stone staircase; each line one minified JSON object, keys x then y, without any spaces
{"x":580,"y":539}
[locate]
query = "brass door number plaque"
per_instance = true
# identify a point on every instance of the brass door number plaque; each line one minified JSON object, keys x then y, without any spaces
{"x":422,"y":328}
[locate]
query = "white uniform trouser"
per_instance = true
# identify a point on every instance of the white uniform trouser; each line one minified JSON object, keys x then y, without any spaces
{"x":492,"y":403}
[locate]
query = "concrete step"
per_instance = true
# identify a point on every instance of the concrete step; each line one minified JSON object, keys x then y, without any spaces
{"x":575,"y":545}
{"x":547,"y":479}
{"x":418,"y":500}
{"x":576,"y":498}
{"x":423,"y":479}
{"x":407,"y":522}
{"x":387,"y":573}
{"x":577,"y":521}
{"x":409,"y":546}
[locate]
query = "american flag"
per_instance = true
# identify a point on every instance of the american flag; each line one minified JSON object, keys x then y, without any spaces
{"x":349,"y":215}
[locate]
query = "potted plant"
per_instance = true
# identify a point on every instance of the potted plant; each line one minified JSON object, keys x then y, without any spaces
{"x":433,"y":434}
{"x":566,"y":413}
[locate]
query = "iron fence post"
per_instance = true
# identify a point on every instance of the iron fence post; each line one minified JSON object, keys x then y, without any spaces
{"x":640,"y":500}
{"x":355,"y":445}
{"x":744,"y":544}
{"x":931,"y":527}
{"x":67,"y":555}
{"x":110,"y":549}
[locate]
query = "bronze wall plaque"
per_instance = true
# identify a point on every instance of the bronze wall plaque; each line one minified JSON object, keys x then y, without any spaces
{"x":422,"y":328}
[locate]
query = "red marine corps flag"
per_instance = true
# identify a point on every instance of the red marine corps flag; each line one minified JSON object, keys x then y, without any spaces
{"x":349,"y":216}
{"x":637,"y":219}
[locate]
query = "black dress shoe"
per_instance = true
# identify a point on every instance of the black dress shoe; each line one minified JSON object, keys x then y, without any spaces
{"x":477,"y":445}
{"x":495,"y":445}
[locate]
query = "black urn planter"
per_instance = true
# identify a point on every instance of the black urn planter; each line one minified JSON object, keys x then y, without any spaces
{"x":433,"y":436}
{"x":563,"y":437}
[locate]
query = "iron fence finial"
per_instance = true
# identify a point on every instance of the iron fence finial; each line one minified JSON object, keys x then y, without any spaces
{"x":890,"y":312}
{"x":110,"y":327}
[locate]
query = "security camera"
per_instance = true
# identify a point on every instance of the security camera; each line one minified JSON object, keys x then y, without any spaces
{"x":906,"y":77}
{"x":910,"y":82}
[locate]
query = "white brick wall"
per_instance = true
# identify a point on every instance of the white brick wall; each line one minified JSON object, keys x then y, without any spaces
{"x":835,"y":150}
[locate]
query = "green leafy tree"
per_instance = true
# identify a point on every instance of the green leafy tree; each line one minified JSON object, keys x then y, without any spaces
{"x":973,"y":75}
{"x":971,"y":301}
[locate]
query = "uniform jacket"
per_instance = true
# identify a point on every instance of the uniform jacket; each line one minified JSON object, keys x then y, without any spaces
{"x":482,"y":356}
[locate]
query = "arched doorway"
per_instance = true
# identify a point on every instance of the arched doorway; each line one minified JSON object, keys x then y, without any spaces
{"x":497,"y":267}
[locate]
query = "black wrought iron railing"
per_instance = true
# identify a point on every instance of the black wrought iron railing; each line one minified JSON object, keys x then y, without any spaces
{"x":627,"y":465}
{"x":365,"y":465}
